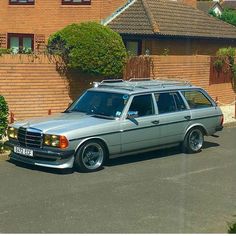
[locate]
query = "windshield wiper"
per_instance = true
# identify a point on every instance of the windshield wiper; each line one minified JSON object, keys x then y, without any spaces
{"x":71,"y":111}
{"x":103,"y":116}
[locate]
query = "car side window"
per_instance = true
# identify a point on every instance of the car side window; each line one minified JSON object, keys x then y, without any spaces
{"x":196,"y":99}
{"x":142,"y":105}
{"x":169,"y":102}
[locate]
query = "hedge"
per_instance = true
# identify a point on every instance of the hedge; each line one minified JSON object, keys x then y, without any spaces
{"x":3,"y":116}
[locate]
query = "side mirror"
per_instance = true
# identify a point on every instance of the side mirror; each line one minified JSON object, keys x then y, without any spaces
{"x":132,"y":115}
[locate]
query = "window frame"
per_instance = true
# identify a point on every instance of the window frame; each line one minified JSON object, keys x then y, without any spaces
{"x":139,"y":45}
{"x":152,"y":101}
{"x":21,"y":36}
{"x":172,"y":94}
{"x":203,"y":93}
{"x":63,"y":2}
{"x":21,"y":3}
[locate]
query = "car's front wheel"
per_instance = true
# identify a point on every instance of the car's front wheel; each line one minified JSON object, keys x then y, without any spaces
{"x":193,"y":141}
{"x":90,"y":156}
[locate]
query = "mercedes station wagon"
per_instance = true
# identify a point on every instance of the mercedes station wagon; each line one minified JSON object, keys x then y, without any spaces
{"x":116,"y":118}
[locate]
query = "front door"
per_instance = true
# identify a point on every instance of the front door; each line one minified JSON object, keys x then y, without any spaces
{"x":140,"y":132}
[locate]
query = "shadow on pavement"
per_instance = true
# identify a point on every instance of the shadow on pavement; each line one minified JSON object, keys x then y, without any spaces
{"x":42,"y":169}
{"x":144,"y":156}
{"x":209,"y":145}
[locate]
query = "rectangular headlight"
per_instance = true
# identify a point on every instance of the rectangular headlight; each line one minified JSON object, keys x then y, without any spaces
{"x":58,"y":141}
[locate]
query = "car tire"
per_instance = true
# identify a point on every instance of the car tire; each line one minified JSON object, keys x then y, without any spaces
{"x":193,"y":141}
{"x":90,"y":156}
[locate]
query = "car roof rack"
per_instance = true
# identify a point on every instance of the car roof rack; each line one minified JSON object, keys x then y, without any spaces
{"x":141,"y":83}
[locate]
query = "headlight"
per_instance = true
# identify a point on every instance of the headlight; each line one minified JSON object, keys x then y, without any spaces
{"x":58,"y":141}
{"x":12,"y":133}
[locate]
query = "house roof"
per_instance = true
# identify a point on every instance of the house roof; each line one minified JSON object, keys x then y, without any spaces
{"x":229,"y":4}
{"x":169,"y":18}
{"x":207,"y":5}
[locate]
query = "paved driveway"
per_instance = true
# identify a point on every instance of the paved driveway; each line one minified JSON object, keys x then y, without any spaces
{"x":159,"y":192}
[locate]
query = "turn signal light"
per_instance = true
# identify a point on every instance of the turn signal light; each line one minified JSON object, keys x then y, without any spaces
{"x":63,"y":142}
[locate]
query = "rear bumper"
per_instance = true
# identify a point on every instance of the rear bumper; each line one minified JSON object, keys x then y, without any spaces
{"x":45,"y":158}
{"x":219,"y":128}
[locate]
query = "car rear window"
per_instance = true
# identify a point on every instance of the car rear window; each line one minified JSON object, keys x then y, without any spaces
{"x":196,"y":99}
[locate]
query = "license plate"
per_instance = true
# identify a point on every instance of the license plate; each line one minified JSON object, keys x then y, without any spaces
{"x":24,"y":151}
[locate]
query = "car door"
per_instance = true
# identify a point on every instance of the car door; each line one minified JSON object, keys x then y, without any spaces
{"x":141,"y":130}
{"x":173,"y":115}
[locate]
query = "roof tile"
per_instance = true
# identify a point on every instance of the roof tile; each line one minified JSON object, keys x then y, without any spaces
{"x":172,"y":18}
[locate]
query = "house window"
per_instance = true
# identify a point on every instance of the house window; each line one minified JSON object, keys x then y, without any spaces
{"x":21,"y":2}
{"x":134,"y":48}
{"x":21,"y":43}
{"x":76,"y":2}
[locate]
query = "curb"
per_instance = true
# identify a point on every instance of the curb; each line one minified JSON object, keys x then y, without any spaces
{"x":230,"y":124}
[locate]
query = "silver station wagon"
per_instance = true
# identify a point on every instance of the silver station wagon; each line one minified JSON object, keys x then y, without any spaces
{"x":116,"y":118}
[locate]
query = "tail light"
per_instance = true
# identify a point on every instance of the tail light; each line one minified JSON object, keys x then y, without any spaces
{"x":222,"y":120}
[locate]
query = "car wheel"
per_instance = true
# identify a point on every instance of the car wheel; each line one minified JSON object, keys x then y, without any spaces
{"x":193,"y":141}
{"x":90,"y":156}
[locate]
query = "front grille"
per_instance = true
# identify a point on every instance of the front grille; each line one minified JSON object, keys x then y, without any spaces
{"x":30,"y":137}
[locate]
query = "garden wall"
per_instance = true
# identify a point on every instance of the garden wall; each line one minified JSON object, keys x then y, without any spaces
{"x":32,"y":85}
{"x":195,"y":69}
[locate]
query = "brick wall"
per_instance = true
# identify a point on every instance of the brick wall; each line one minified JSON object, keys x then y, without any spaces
{"x":195,"y":69}
{"x":32,"y":86}
{"x":109,"y":6}
{"x":47,"y":16}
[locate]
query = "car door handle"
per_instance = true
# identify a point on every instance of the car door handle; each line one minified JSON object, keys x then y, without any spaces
{"x":156,"y":122}
{"x":187,"y":117}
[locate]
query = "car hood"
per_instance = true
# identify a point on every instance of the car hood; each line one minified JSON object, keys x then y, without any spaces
{"x":63,"y":122}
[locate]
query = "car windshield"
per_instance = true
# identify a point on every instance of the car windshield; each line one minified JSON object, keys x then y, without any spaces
{"x":100,"y":103}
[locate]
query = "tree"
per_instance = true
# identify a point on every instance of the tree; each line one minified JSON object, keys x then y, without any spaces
{"x":90,"y":47}
{"x":228,"y":15}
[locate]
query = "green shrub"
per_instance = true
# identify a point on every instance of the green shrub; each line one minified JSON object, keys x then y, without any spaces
{"x":4,"y":51}
{"x":232,"y":228}
{"x":3,"y":116}
{"x":90,"y":47}
{"x":228,"y":15}
{"x":227,"y":53}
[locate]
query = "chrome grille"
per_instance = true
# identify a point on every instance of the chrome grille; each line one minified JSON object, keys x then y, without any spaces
{"x":30,"y":137}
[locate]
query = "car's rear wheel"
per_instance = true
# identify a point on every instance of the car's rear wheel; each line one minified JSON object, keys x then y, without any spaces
{"x":193,"y":141}
{"x":90,"y":156}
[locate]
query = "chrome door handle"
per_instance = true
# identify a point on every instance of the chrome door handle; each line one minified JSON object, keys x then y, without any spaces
{"x":187,"y":117}
{"x":156,"y":122}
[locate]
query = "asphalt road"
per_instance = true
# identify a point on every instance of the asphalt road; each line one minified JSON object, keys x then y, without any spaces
{"x":157,"y":192}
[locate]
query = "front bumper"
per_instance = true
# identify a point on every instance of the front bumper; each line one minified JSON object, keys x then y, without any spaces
{"x":46,"y":158}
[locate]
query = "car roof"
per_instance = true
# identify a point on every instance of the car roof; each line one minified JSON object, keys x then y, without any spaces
{"x":136,"y":86}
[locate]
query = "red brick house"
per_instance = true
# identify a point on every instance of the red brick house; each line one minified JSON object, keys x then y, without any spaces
{"x":28,"y":23}
{"x":158,"y":27}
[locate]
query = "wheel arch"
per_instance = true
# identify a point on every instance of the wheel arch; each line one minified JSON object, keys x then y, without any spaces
{"x":199,"y":126}
{"x":93,"y":139}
